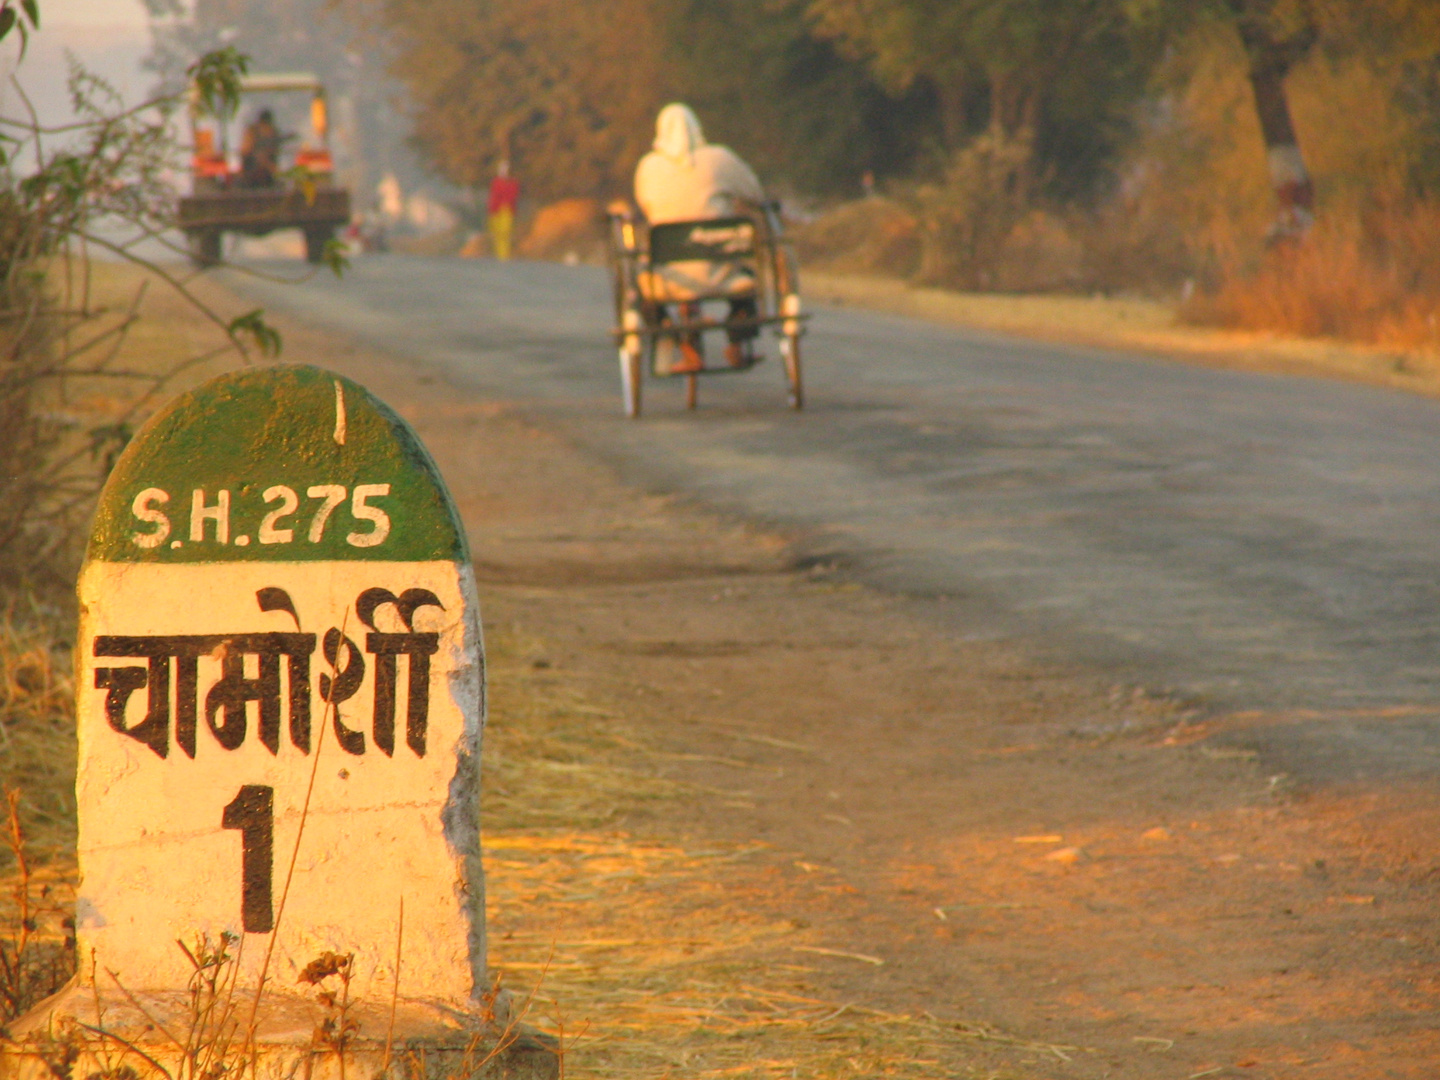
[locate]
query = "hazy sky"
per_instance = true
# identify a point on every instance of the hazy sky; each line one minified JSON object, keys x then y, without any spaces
{"x":109,"y":37}
{"x":61,"y":13}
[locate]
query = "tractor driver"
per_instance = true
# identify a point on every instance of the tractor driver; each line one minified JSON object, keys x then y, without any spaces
{"x":685,"y":178}
{"x":260,"y":152}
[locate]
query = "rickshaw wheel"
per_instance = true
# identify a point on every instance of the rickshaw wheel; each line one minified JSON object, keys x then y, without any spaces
{"x":790,"y":347}
{"x":630,"y":367}
{"x":205,"y":246}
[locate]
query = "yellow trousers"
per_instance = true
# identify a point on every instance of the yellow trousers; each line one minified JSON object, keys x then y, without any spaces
{"x":502,"y":227}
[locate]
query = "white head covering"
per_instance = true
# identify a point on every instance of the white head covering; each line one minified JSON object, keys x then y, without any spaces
{"x":677,"y":133}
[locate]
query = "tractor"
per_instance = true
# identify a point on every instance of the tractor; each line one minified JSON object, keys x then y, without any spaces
{"x":228,"y":197}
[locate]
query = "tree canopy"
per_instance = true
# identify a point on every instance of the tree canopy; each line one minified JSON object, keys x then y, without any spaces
{"x":815,"y":92}
{"x":818,"y":93}
{"x":571,"y":96}
{"x":564,"y":93}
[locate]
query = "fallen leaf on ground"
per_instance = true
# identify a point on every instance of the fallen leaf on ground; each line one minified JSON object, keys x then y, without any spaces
{"x":838,"y":952}
{"x":1156,"y":1045}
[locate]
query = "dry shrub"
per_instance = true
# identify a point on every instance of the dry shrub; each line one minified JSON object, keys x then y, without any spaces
{"x":33,"y":522}
{"x":1193,"y":192}
{"x":1371,"y":279}
{"x":571,"y":229}
{"x":98,"y":183}
{"x":868,"y":236}
{"x":37,"y":929}
{"x":975,"y":226}
{"x":1042,"y":253}
{"x":1193,"y":198}
{"x":970,"y":212}
{"x":37,"y":823}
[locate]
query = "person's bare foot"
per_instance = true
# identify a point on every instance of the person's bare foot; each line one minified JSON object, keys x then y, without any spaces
{"x":739,"y":355}
{"x":690,"y":359}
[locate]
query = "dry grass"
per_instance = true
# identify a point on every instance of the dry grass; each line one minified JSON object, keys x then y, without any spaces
{"x":656,"y":961}
{"x":653,"y":959}
{"x":552,"y":758}
{"x":1371,"y":279}
{"x":37,"y":729}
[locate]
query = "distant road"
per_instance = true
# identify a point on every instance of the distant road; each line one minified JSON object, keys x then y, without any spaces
{"x":1250,"y":542}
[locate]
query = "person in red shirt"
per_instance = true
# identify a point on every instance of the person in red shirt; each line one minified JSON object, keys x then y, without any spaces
{"x":504,"y":195}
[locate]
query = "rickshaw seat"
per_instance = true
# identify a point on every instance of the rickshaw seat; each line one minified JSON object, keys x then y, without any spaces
{"x":709,"y":259}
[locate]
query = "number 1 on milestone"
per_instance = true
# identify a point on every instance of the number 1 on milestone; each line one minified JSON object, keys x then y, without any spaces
{"x":252,"y":811}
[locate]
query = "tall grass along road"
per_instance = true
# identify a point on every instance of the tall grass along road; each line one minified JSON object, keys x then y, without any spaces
{"x":1258,"y":549}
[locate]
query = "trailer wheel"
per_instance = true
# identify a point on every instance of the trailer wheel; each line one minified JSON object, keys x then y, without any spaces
{"x":204,"y":246}
{"x":316,"y":237}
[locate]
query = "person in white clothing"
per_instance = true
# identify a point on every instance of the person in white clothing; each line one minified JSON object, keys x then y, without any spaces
{"x":685,"y":178}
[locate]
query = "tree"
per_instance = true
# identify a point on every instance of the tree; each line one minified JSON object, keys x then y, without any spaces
{"x":1277,"y":34}
{"x":568,"y":96}
{"x":1402,"y":37}
{"x":572,"y":98}
{"x":908,"y":42}
{"x":787,"y":100}
{"x":1059,"y":73}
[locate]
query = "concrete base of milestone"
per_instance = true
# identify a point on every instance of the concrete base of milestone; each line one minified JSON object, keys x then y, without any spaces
{"x":80,"y":1031}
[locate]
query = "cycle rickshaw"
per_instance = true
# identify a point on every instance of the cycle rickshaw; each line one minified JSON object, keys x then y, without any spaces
{"x":660,"y":299}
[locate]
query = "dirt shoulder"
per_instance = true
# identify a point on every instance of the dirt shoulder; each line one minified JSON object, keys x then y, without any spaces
{"x":1133,"y":325}
{"x":753,"y":819}
{"x":747,"y":818}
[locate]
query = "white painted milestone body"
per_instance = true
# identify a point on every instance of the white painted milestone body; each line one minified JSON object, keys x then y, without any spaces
{"x":277,"y":610}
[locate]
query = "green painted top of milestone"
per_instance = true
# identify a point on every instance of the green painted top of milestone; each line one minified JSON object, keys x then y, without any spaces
{"x":276,"y":464}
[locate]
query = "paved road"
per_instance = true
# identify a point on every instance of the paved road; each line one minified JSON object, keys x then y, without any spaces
{"x":1246,"y":541}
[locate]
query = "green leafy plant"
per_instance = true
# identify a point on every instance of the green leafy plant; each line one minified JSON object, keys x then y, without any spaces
{"x":252,"y":325}
{"x":11,"y":19}
{"x":216,"y":77}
